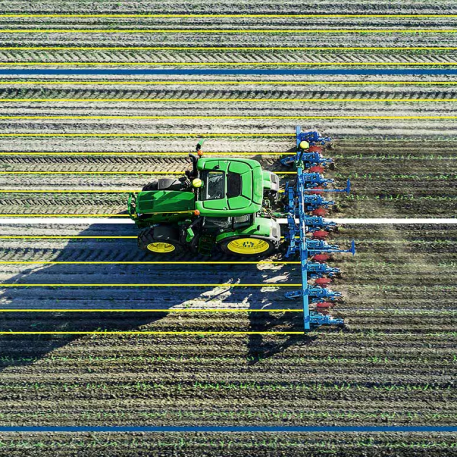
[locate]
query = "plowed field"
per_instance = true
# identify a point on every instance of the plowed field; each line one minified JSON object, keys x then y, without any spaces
{"x":399,"y":167}
{"x":76,"y":144}
{"x":393,"y":363}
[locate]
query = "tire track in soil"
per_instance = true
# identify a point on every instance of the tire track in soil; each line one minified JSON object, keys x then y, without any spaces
{"x":405,"y":93}
{"x":389,"y":58}
{"x":254,"y":7}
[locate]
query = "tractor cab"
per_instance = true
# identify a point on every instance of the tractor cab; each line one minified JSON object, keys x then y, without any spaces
{"x":226,"y":188}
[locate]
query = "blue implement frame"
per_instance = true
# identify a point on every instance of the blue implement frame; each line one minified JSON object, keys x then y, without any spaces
{"x":300,"y":223}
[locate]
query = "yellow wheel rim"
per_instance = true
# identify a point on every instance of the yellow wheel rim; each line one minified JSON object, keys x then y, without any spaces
{"x":248,"y":246}
{"x":161,"y":248}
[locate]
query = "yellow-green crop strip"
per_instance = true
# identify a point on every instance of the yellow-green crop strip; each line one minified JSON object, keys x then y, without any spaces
{"x":147,"y":285}
{"x":108,"y":153}
{"x":170,"y":310}
{"x":230,"y":64}
{"x":139,"y":135}
{"x":69,"y":191}
{"x":57,"y":262}
{"x":222,"y":31}
{"x":65,"y":237}
{"x":227,"y":48}
{"x":298,"y":116}
{"x":210,"y":16}
{"x":97,"y":173}
{"x":247,"y":83}
{"x":92,"y":173}
{"x":209,"y":100}
{"x":152,"y":333}
{"x":112,"y":215}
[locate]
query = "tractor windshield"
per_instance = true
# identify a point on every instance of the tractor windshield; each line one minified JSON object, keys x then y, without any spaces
{"x":214,"y":185}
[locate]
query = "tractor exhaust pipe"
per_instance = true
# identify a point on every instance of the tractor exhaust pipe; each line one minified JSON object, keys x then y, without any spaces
{"x":194,"y":160}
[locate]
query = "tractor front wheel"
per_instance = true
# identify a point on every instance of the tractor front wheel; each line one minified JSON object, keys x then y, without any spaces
{"x":248,"y":246}
{"x":162,"y":240}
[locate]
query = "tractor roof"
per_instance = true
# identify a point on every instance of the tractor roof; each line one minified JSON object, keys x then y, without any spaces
{"x":232,"y":187}
{"x":244,"y":187}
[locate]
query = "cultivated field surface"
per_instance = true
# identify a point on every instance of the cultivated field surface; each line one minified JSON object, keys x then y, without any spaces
{"x":235,"y":444}
{"x":241,"y":33}
{"x":392,"y":364}
{"x":82,"y":145}
{"x":77,"y":142}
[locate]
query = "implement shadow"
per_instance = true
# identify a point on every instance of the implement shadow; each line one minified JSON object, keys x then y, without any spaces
{"x":264,"y":346}
{"x":27,"y":349}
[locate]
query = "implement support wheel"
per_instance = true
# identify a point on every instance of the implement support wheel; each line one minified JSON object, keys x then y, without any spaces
{"x":247,"y":246}
{"x":162,"y":240}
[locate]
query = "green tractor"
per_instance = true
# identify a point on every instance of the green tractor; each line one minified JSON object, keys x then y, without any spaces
{"x":223,"y":203}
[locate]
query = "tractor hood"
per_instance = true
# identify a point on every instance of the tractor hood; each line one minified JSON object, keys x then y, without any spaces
{"x":163,"y":201}
{"x":243,"y":187}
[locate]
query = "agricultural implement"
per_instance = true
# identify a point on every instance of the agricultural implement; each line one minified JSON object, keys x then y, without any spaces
{"x":231,"y":204}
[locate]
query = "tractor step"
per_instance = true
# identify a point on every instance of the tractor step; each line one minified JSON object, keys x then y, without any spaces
{"x":206,"y":244}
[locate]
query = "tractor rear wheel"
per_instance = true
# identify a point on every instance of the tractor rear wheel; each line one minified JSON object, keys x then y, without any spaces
{"x":161,"y":239}
{"x":246,"y":246}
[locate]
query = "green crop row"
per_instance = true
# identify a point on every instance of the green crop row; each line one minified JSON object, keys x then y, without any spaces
{"x":442,"y":359}
{"x":404,"y":241}
{"x":424,"y":444}
{"x":411,"y":288}
{"x":220,"y":386}
{"x":325,"y":447}
{"x":381,"y":157}
{"x":398,"y":197}
{"x":243,"y":415}
{"x":200,"y":416}
{"x":388,"y":177}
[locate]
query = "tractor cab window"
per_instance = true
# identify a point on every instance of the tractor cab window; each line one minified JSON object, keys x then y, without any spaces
{"x":243,"y":221}
{"x":214,"y":185}
{"x":217,"y":223}
{"x":233,"y":185}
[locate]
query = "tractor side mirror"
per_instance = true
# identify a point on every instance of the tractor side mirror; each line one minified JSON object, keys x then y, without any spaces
{"x":199,"y":147}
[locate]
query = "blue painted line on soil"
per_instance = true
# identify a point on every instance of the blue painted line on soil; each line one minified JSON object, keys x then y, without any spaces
{"x":233,"y":429}
{"x":229,"y":71}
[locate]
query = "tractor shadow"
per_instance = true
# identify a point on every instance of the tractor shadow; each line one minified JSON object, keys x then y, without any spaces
{"x":19,"y":349}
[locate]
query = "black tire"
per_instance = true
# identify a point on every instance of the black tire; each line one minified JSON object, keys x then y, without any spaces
{"x":164,"y":237}
{"x":153,"y":185}
{"x":227,"y":247}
